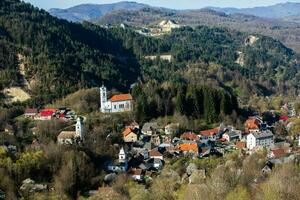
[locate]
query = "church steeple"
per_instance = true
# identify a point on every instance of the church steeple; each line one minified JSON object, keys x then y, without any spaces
{"x":103,"y":98}
{"x":79,"y":129}
{"x":122,"y":156}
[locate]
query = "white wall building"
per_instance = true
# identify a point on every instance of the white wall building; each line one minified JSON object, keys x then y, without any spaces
{"x":117,"y":103}
{"x":260,"y":139}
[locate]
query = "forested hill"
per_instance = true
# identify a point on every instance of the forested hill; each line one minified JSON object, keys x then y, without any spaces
{"x":285,"y":30}
{"x":61,"y":56}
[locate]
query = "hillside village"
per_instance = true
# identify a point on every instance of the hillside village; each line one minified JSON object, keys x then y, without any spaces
{"x":148,"y":147}
{"x":164,"y":110}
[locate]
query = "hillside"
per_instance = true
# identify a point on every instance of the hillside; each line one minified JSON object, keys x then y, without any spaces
{"x":280,"y":10}
{"x":287,"y":31}
{"x":61,"y":56}
{"x":210,"y":56}
{"x":86,"y":12}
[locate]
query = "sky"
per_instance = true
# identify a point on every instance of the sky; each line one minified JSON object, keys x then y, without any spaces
{"x":175,"y":4}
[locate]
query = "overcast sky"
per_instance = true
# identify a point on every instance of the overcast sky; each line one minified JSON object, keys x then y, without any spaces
{"x":175,"y":4}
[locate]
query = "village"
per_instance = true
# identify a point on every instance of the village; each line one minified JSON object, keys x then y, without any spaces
{"x":147,"y":147}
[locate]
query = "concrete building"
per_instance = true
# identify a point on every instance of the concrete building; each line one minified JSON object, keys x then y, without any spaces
{"x":260,"y":139}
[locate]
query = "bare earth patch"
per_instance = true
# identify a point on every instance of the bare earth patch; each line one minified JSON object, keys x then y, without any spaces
{"x":15,"y":94}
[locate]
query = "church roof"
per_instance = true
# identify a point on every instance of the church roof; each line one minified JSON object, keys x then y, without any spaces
{"x":121,"y":97}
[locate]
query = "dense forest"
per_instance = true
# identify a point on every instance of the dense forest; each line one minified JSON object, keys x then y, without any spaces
{"x":153,"y":100}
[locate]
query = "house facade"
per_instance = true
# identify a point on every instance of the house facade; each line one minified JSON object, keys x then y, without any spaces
{"x":31,"y":113}
{"x":129,"y":135}
{"x":259,"y":139}
{"x":209,"y":135}
{"x":149,"y":128}
{"x":232,"y":136}
{"x":117,"y":103}
{"x":172,"y":128}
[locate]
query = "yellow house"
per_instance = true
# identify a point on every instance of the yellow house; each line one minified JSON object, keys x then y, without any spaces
{"x":129,"y":135}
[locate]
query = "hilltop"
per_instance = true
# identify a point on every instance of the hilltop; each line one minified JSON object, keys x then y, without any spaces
{"x":86,"y":12}
{"x":280,"y":10}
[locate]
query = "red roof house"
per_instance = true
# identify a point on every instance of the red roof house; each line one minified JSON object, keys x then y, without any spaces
{"x":189,"y":147}
{"x":155,"y":154}
{"x":47,"y":114}
{"x":210,"y":132}
{"x":252,"y":123}
{"x":190,"y":136}
{"x":31,"y":112}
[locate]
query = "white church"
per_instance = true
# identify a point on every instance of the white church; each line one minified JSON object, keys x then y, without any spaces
{"x":121,"y":165}
{"x":71,"y":137}
{"x":117,"y":103}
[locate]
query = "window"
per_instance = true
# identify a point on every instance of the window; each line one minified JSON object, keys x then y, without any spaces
{"x":121,"y":106}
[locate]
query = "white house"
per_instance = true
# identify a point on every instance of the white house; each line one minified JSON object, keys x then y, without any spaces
{"x":117,"y":103}
{"x":231,"y":134}
{"x":259,"y":139}
{"x":70,"y":137}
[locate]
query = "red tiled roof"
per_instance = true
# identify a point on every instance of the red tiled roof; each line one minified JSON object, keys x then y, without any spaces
{"x":210,"y":132}
{"x":189,"y":136}
{"x":121,"y":97}
{"x":154,"y":153}
{"x":47,"y":112}
{"x":252,"y":123}
{"x":189,"y":147}
{"x":127,"y":131}
{"x":278,"y":153}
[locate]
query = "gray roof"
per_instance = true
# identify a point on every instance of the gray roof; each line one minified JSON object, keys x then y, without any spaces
{"x":232,"y":133}
{"x":263,"y":134}
{"x":149,"y":126}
